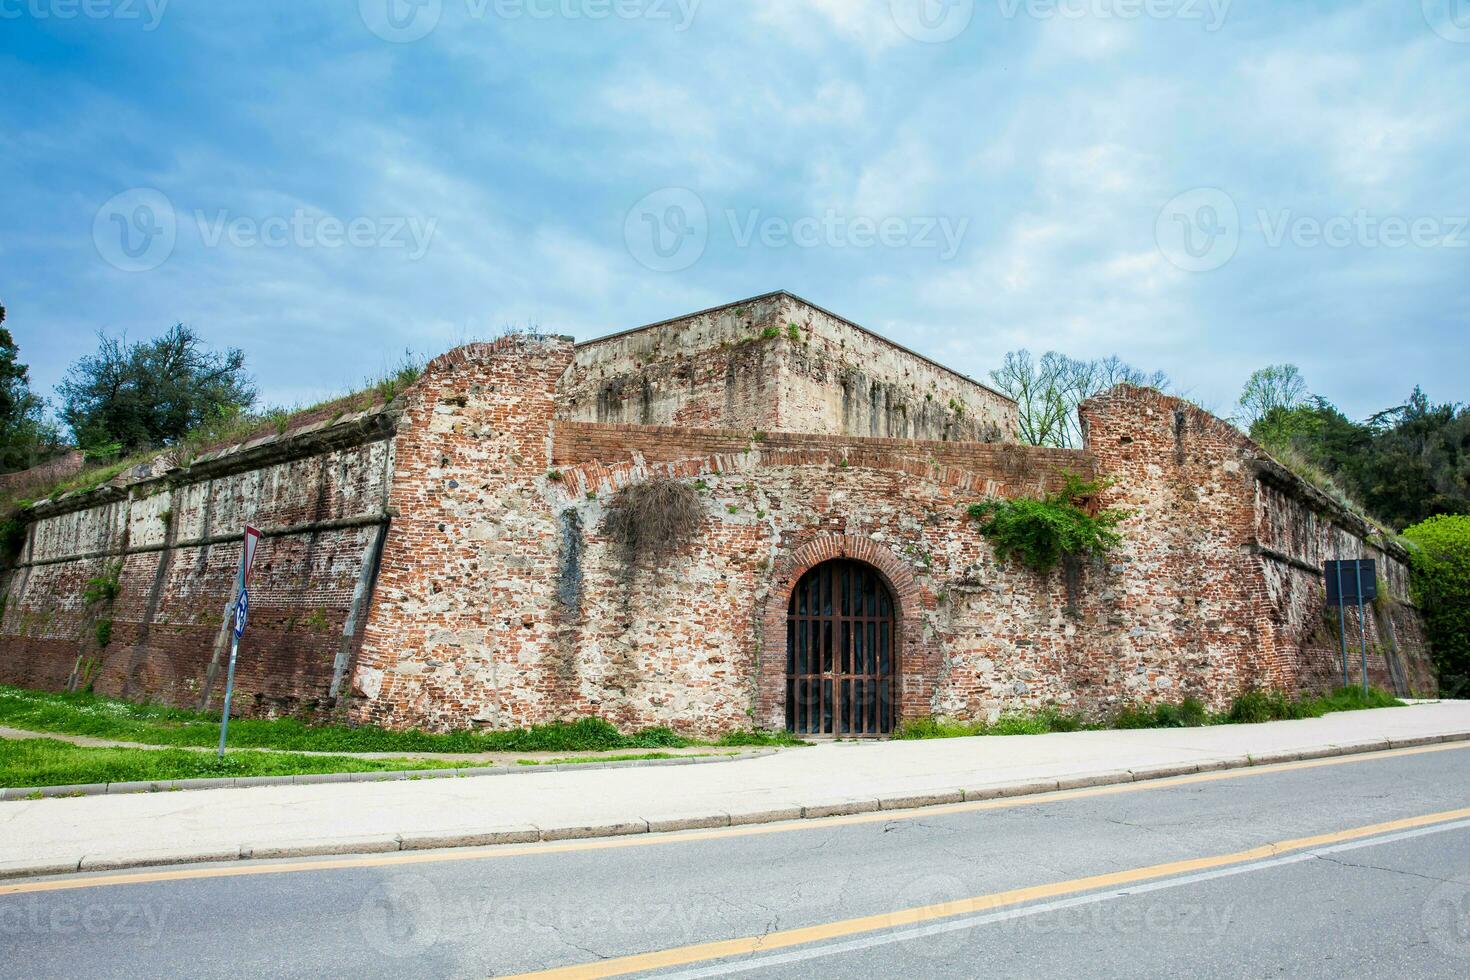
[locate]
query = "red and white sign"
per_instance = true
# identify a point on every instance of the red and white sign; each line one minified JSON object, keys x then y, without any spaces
{"x":252,"y":538}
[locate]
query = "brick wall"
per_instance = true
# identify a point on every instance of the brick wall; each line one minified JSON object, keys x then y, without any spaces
{"x":499,"y":600}
{"x":1234,"y":544}
{"x":173,"y":535}
{"x":462,"y":627}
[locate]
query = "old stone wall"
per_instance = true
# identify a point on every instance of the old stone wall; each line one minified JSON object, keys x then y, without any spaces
{"x":1298,"y":529}
{"x":842,"y":379}
{"x":564,"y":625}
{"x":169,"y":540}
{"x":778,"y":363}
{"x":706,"y":632}
{"x":500,"y":601}
{"x":463,"y":627}
{"x":1224,"y":554}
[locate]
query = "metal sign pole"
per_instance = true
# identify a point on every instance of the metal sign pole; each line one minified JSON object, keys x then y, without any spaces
{"x":239,"y":609}
{"x":1342,"y":624}
{"x":1362,"y":622}
{"x":224,"y":724}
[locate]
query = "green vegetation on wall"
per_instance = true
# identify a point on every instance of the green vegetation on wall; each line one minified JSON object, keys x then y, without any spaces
{"x":1041,"y":532}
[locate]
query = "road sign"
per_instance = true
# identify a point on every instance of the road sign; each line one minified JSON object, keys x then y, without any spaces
{"x":1352,"y":582}
{"x":252,"y":538}
{"x":242,"y":614}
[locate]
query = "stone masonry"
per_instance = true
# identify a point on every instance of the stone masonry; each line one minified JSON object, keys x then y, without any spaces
{"x":441,"y":562}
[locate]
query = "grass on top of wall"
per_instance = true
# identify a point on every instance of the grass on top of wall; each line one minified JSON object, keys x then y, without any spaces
{"x":1249,"y":708}
{"x":48,"y":762}
{"x":156,"y":724}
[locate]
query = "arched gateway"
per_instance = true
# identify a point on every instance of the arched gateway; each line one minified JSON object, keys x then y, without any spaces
{"x":840,"y":651}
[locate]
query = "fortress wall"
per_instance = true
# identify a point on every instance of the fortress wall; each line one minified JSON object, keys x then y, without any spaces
{"x":170,"y":538}
{"x":777,"y":363}
{"x":500,"y":600}
{"x":1234,"y":545}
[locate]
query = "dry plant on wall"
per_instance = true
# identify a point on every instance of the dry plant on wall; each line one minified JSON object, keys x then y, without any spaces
{"x":649,"y":522}
{"x":1016,"y":463}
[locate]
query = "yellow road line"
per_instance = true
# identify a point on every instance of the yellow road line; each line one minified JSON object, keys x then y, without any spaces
{"x":234,"y":870}
{"x":721,"y":949}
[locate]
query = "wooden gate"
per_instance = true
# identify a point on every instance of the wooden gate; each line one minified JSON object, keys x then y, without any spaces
{"x":840,"y":652}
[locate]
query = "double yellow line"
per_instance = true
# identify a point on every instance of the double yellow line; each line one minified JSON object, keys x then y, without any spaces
{"x":746,"y":945}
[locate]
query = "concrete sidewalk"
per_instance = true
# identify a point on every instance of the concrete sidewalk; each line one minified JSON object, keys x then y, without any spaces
{"x":58,"y":836}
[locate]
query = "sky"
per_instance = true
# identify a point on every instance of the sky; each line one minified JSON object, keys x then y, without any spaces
{"x":1198,"y":186}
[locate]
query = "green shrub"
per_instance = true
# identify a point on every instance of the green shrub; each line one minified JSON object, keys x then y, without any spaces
{"x":104,"y":587}
{"x":1254,"y":707}
{"x":1440,"y":549}
{"x":1041,"y":532}
{"x":1257,"y":706}
{"x":1040,"y":722}
{"x":1353,"y":699}
{"x":104,"y":633}
{"x":929,"y":727}
{"x":12,"y":538}
{"x":1189,"y":713}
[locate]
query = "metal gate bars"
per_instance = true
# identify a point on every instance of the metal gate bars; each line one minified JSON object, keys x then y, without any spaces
{"x":840,"y":652}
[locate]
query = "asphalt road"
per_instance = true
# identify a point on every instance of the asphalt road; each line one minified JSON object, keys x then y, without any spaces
{"x":1391,"y":896}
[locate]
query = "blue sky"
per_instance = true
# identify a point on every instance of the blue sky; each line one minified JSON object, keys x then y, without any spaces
{"x":1199,"y":186}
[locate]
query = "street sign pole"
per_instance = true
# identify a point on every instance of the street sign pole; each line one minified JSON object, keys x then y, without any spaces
{"x":1362,"y":623}
{"x":240,"y":609}
{"x":1342,"y":622}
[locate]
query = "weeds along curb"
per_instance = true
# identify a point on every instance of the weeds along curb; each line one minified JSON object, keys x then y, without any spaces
{"x":381,"y":776}
{"x":532,"y":833}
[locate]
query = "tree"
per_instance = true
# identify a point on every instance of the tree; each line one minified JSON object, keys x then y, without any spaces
{"x":26,"y":438}
{"x":1420,"y":461}
{"x":129,"y":397}
{"x":1440,"y":556}
{"x":1402,"y":465}
{"x":1271,"y":390}
{"x":1048,"y":391}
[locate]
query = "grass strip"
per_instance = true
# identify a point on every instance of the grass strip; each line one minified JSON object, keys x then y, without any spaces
{"x":48,"y":762}
{"x":639,"y":757}
{"x":156,"y":724}
{"x":1250,"y":708}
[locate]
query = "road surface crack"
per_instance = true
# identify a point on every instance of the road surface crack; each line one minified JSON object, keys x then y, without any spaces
{"x":1378,"y":867}
{"x":575,"y":945}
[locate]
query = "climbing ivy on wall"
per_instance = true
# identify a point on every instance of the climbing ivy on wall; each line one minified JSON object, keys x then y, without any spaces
{"x":1040,"y":532}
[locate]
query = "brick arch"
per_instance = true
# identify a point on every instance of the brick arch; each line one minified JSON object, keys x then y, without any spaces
{"x":917,"y":667}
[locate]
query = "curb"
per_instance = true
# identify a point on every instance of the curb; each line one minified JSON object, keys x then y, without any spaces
{"x":381,"y":776}
{"x":532,"y":833}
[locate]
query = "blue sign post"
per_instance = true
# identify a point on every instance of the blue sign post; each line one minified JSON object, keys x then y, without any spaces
{"x":242,"y":614}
